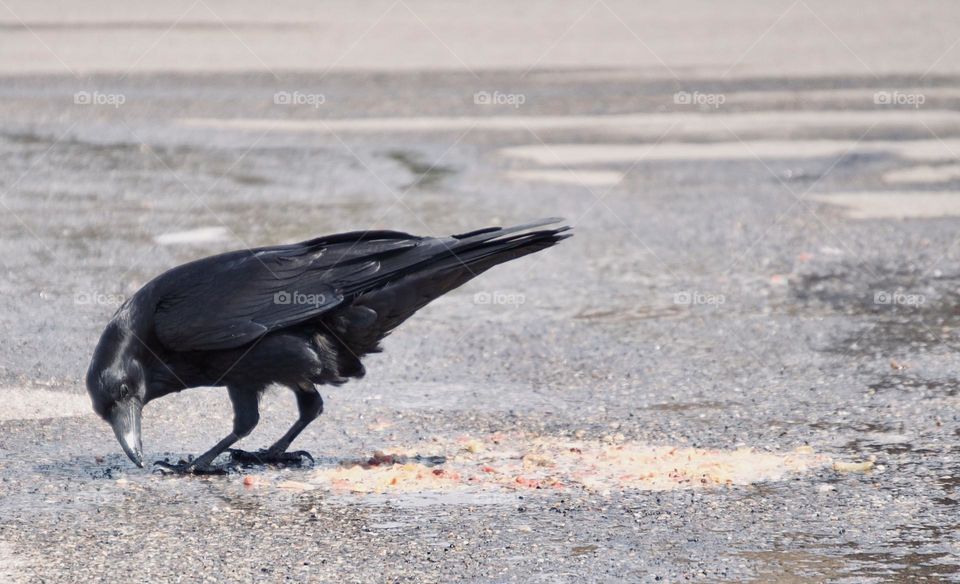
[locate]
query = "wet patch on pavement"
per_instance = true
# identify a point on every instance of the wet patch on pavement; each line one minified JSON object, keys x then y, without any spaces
{"x":898,"y":311}
{"x":424,"y":175}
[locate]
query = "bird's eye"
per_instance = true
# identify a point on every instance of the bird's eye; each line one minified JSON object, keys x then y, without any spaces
{"x":124,"y":390}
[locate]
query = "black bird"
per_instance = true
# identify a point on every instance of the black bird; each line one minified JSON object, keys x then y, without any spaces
{"x":294,"y":315}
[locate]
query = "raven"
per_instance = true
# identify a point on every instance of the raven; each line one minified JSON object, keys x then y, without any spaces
{"x":294,"y":315}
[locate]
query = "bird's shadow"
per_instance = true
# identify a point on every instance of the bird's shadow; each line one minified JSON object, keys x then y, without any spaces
{"x":115,"y":467}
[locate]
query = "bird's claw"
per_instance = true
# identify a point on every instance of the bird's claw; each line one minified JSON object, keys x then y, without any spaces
{"x":185,"y":467}
{"x":268,"y":457}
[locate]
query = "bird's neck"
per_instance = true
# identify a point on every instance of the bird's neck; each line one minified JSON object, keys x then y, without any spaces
{"x":137,"y":314}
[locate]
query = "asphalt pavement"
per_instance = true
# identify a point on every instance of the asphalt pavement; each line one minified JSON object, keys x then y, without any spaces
{"x":741,"y":368}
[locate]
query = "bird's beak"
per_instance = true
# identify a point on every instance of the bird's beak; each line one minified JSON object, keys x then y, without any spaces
{"x":125,"y":420}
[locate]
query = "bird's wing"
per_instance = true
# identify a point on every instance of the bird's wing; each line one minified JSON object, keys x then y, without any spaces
{"x":226,"y":301}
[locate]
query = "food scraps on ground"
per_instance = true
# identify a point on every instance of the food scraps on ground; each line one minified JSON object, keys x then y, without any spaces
{"x":521,"y":461}
{"x":853,"y":466}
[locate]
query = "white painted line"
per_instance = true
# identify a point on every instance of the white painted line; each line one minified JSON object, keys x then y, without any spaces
{"x":573,"y":154}
{"x":680,"y":123}
{"x":923,"y":174}
{"x":200,"y":235}
{"x":39,"y":404}
{"x":11,"y":565}
{"x":575,"y":177}
{"x":894,"y":205}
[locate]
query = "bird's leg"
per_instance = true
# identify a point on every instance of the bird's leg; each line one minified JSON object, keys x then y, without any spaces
{"x":310,"y":405}
{"x":246,"y":414}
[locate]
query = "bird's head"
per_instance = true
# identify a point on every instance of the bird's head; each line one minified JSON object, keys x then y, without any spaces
{"x":117,"y":386}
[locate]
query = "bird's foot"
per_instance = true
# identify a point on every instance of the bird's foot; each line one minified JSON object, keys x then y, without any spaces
{"x":185,"y":467}
{"x":269,"y":456}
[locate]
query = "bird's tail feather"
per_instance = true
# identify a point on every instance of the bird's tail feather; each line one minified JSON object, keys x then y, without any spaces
{"x":477,"y":253}
{"x":465,"y":256}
